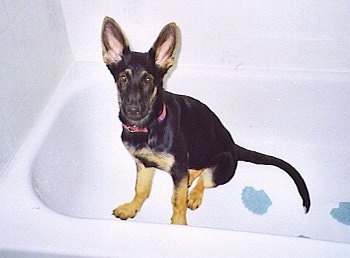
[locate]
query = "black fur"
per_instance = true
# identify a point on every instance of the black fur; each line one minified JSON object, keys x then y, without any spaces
{"x":190,"y":132}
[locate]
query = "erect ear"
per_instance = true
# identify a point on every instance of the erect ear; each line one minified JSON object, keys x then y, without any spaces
{"x":114,"y":44}
{"x":165,"y":45}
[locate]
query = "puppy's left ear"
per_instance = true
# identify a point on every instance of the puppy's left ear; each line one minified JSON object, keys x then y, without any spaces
{"x":165,"y":45}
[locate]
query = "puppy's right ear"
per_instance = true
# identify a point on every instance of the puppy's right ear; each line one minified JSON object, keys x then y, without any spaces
{"x":114,"y":44}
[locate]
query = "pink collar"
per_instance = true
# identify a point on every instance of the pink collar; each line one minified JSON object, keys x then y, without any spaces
{"x":135,"y":129}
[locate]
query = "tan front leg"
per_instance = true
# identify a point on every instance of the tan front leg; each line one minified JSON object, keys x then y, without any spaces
{"x":142,"y":191}
{"x":179,"y":201}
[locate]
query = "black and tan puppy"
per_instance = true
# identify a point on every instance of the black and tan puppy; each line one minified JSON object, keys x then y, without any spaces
{"x":172,"y":132}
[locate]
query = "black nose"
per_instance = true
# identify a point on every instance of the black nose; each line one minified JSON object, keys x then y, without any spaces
{"x":133,"y":110}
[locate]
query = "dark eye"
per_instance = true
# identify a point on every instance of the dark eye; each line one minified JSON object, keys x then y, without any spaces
{"x":123,"y":78}
{"x":148,"y":80}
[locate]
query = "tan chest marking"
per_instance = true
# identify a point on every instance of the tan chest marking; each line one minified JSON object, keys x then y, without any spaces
{"x":161,"y":160}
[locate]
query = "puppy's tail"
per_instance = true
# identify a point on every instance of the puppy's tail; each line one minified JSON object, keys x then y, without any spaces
{"x":263,"y":159}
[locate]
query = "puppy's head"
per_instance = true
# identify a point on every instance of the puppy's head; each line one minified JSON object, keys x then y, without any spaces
{"x":138,"y":76}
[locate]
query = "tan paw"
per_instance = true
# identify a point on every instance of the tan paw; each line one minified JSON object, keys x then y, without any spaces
{"x":178,"y":220}
{"x":194,"y":199}
{"x":125,"y":211}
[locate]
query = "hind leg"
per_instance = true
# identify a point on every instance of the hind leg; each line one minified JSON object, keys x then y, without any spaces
{"x":222,"y":169}
{"x":195,"y":197}
{"x":193,"y":174}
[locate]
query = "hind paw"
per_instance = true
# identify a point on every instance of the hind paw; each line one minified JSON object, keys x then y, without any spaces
{"x":194,"y":199}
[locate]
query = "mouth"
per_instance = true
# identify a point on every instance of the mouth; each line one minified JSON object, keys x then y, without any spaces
{"x":134,"y":115}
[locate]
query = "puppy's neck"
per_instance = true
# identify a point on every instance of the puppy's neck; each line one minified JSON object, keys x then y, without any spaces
{"x":135,"y":129}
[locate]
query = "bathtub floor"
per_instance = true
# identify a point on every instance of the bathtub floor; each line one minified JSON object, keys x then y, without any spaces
{"x":82,"y":169}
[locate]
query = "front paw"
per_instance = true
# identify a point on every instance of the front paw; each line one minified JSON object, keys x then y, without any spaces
{"x":125,"y":211}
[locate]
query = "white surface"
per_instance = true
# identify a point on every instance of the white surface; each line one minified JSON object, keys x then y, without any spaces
{"x":30,"y":229}
{"x":30,"y":36}
{"x":273,"y":34}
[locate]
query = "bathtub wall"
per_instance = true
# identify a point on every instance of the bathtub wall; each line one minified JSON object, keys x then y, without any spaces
{"x":268,"y":34}
{"x":34,"y":55}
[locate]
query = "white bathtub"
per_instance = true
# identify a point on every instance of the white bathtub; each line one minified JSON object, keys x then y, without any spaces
{"x":58,"y":196}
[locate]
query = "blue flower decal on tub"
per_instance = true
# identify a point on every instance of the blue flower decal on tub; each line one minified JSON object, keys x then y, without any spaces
{"x":342,"y":213}
{"x":255,"y":201}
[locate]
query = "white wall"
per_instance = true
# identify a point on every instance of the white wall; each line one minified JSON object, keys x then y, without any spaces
{"x":274,"y":34}
{"x":34,"y":54}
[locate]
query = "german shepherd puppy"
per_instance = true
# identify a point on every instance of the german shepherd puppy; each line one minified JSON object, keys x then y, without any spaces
{"x":174,"y":133}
